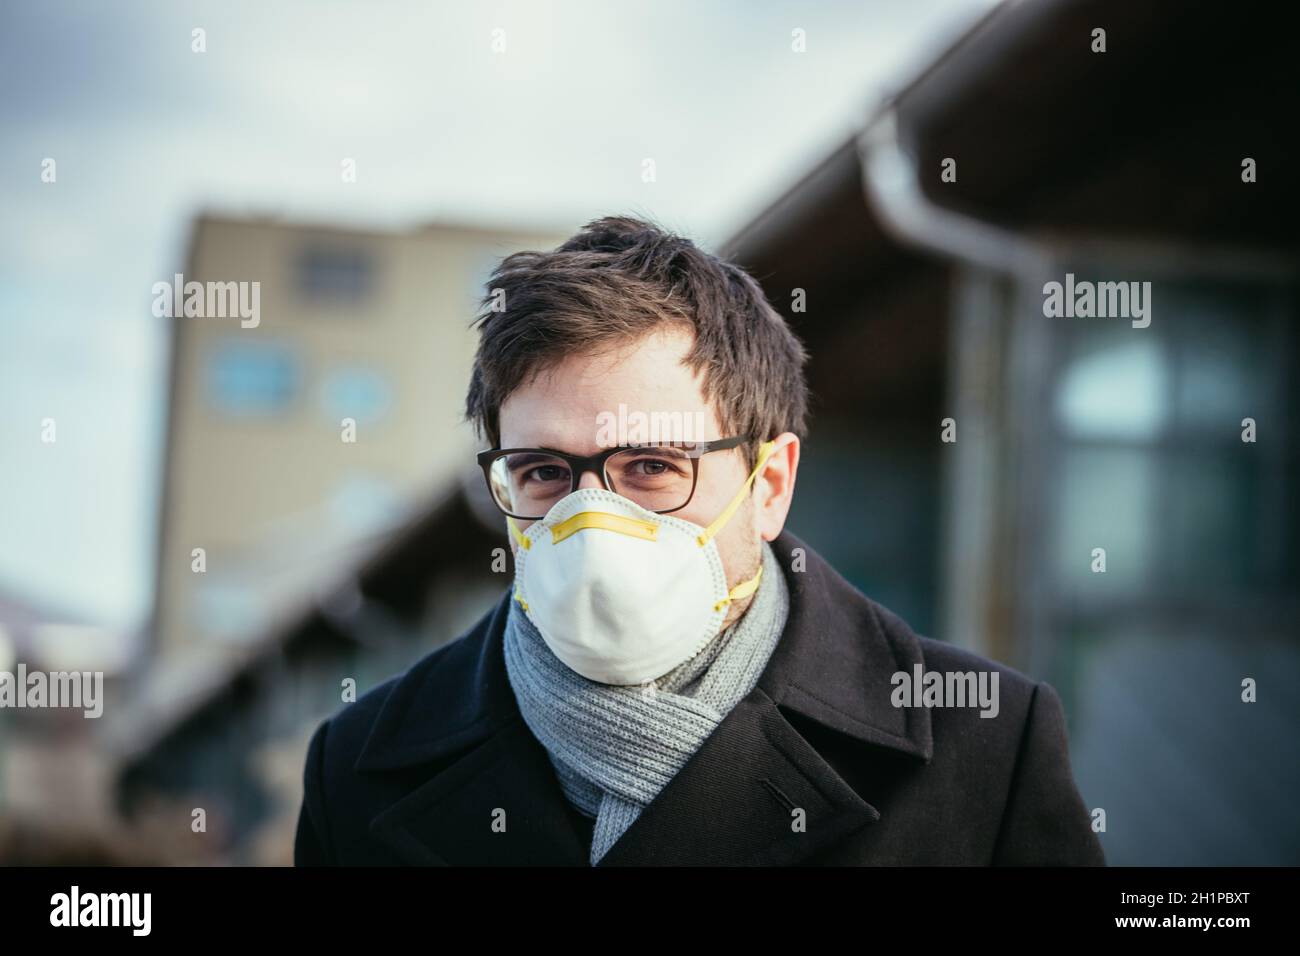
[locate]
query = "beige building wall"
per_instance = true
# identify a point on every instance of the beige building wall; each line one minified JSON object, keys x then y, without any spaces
{"x":369,"y":326}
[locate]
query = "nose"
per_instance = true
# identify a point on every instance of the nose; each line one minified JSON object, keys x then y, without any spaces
{"x":589,"y":479}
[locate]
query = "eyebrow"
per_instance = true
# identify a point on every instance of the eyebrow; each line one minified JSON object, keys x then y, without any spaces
{"x":524,"y":458}
{"x":533,"y":452}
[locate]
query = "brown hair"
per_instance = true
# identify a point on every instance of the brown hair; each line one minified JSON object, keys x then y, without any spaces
{"x":617,"y":280}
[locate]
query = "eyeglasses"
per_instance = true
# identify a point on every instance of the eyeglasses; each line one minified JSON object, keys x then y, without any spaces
{"x":659,"y":476}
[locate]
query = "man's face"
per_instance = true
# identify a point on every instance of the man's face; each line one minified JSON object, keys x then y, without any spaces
{"x":562,"y":409}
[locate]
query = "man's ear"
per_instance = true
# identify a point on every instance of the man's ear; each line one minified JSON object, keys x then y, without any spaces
{"x":774,"y":486}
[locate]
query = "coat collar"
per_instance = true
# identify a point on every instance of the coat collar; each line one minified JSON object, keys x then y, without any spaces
{"x":732,"y":803}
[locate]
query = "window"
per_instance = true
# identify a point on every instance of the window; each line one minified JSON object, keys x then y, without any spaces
{"x":1151,"y":462}
{"x":251,"y":379}
{"x":362,"y":394}
{"x":338,"y":274}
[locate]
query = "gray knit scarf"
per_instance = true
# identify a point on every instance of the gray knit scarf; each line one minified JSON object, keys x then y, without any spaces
{"x":614,"y":748}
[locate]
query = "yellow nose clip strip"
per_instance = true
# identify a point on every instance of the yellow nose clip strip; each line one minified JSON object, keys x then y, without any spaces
{"x":635,"y":527}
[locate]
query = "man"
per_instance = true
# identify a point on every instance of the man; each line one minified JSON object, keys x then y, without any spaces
{"x":672,"y":677}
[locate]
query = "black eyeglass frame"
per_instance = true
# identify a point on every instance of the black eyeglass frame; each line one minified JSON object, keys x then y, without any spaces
{"x":580,"y":465}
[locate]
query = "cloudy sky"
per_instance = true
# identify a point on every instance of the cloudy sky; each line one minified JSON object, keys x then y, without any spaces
{"x":548,"y":133}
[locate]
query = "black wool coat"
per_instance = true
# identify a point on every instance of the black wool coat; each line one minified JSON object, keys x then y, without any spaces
{"x":816,"y":766}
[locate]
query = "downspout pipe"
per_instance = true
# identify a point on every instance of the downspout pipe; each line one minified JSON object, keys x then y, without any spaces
{"x":891,"y":181}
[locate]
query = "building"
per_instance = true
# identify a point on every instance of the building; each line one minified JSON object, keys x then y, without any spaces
{"x":298,"y":440}
{"x":297,"y":436}
{"x":927,"y":300}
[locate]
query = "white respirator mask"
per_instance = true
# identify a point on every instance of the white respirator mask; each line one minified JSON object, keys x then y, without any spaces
{"x":621,"y":594}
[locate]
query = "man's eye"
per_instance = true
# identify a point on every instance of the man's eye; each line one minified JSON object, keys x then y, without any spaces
{"x":546,"y":473}
{"x":654,"y":467}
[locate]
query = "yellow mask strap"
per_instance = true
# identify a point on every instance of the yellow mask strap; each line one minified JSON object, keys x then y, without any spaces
{"x":742,"y":590}
{"x":764,"y":452}
{"x":524,"y":543}
{"x":518,"y":535}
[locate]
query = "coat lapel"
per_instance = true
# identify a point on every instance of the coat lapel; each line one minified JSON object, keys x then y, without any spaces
{"x":755,"y":793}
{"x":499,"y":805}
{"x":491,"y":797}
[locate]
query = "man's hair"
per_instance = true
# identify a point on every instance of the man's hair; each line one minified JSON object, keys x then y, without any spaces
{"x":616,"y":281}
